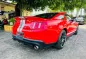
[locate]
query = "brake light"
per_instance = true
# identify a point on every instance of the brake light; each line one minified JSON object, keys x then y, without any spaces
{"x":34,"y":24}
{"x":38,"y":25}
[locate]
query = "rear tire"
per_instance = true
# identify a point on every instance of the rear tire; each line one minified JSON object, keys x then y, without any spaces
{"x":61,"y":40}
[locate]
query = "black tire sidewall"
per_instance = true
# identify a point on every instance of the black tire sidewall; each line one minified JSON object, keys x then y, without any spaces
{"x":76,"y":32}
{"x":59,"y":44}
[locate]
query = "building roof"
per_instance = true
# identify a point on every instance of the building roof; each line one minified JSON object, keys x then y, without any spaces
{"x":7,"y":3}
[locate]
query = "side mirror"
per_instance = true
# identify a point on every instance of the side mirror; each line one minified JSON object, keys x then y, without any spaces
{"x":72,"y":20}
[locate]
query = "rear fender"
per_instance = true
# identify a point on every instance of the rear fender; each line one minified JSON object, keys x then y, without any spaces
{"x":16,"y":25}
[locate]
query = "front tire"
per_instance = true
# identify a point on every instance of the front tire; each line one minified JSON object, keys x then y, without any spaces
{"x":61,"y":40}
{"x":76,"y":32}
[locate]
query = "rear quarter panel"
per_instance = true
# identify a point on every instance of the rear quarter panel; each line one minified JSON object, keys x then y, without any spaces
{"x":16,"y":25}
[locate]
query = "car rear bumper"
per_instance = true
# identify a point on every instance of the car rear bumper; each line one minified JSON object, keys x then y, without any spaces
{"x":47,"y":36}
{"x":33,"y":42}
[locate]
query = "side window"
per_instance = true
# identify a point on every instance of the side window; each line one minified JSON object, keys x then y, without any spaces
{"x":68,"y":18}
{"x":74,"y":18}
{"x":60,"y":17}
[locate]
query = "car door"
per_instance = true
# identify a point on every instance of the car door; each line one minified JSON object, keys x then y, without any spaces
{"x":70,"y":25}
{"x":74,"y":25}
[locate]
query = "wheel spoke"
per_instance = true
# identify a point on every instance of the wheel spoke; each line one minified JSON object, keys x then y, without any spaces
{"x":63,"y":38}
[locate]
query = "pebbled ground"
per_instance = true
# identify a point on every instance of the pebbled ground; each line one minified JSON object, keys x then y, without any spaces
{"x":75,"y":48}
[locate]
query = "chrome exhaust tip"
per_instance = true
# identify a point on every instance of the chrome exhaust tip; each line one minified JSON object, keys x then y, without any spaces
{"x":36,"y":47}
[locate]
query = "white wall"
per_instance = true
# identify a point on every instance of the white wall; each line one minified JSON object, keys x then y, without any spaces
{"x":35,"y":12}
{"x":77,"y":12}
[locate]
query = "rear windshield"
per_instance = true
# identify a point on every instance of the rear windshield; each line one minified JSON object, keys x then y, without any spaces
{"x":46,"y":15}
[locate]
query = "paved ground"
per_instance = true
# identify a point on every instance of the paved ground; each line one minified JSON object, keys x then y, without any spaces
{"x":75,"y":48}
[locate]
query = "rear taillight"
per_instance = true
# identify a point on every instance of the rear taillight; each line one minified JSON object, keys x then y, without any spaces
{"x":38,"y":25}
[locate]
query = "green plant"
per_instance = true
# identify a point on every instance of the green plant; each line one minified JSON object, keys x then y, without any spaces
{"x":85,"y":19}
{"x":11,"y":21}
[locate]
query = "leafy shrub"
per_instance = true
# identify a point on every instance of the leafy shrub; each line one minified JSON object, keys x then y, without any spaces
{"x":11,"y":21}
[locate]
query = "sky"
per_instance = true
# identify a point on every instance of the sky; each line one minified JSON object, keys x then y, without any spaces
{"x":9,"y":1}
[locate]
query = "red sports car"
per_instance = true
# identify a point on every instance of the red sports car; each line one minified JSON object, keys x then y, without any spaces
{"x":43,"y":30}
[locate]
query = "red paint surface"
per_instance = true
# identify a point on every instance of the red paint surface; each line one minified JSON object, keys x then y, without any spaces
{"x":48,"y":31}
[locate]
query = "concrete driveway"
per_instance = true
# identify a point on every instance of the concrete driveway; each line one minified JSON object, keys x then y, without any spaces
{"x":75,"y":48}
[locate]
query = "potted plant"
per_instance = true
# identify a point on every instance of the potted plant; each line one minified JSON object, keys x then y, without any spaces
{"x":8,"y":28}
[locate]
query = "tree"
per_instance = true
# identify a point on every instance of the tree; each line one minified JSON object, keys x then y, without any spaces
{"x":62,"y":5}
{"x":31,"y":4}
